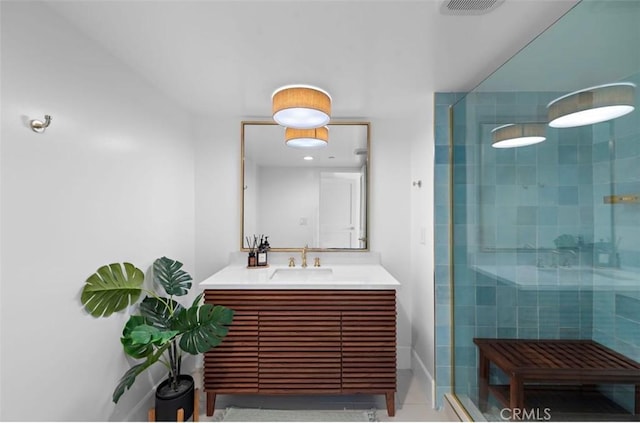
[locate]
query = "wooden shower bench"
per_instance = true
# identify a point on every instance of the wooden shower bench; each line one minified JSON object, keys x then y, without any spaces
{"x":567,"y":362}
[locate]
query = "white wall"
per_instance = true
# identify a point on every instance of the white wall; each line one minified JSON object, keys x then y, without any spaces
{"x":422,"y":243}
{"x":111,"y":180}
{"x":217,"y":192}
{"x":390,"y":214}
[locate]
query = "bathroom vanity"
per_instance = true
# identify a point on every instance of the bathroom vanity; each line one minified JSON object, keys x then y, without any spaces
{"x":325,"y":330}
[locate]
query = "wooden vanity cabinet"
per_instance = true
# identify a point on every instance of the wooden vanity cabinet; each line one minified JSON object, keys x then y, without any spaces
{"x":304,"y":342}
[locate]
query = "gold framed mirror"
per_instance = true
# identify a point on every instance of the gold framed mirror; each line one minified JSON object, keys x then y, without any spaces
{"x":315,"y":197}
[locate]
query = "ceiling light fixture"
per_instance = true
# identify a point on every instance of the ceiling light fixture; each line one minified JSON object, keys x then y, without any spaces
{"x":307,"y":138}
{"x":518,"y":135}
{"x":592,"y":105}
{"x":301,"y":106}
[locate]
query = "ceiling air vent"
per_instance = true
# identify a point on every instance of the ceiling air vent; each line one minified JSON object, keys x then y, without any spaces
{"x":469,"y":7}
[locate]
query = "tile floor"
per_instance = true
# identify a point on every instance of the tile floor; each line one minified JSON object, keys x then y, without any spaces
{"x":413,"y":403}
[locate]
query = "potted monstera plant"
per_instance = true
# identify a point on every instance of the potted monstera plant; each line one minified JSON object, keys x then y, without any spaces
{"x":161,"y":329}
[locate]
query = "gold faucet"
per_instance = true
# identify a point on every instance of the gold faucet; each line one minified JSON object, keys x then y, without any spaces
{"x":304,"y":256}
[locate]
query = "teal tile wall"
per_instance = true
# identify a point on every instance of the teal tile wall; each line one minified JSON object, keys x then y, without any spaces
{"x":527,"y":197}
{"x":531,"y":195}
{"x":616,"y":309}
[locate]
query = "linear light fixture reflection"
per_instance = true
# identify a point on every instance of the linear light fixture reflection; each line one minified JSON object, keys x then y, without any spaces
{"x":518,"y":135}
{"x":592,"y":105}
{"x":301,"y":106}
{"x":307,"y":138}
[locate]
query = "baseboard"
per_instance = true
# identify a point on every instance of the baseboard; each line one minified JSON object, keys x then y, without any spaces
{"x":423,"y":376}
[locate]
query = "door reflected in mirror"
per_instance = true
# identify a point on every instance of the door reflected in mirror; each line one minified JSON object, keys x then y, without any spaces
{"x":306,"y":196}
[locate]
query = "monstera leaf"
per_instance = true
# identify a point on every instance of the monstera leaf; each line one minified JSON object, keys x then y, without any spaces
{"x":159,"y":312}
{"x":169,"y":274}
{"x":130,"y":375}
{"x":202,"y":327}
{"x":111,"y":289}
{"x":139,"y":338}
{"x":131,"y":347}
{"x":127,"y":380}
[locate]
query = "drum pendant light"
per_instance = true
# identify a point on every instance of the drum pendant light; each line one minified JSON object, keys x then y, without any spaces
{"x":518,"y":135}
{"x":301,"y":106}
{"x":307,"y":138}
{"x":592,"y":105}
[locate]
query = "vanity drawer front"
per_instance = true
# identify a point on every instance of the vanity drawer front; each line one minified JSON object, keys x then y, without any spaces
{"x":299,"y":350}
{"x":301,"y":372}
{"x":299,"y":329}
{"x":307,"y":300}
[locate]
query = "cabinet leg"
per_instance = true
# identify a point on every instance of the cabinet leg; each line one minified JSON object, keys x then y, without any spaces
{"x":211,"y":403}
{"x":391,"y":403}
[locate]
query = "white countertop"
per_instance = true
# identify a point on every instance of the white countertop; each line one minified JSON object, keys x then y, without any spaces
{"x":278,"y":276}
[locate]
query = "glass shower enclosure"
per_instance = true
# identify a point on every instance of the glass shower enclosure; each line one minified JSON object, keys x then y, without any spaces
{"x":546,"y":237}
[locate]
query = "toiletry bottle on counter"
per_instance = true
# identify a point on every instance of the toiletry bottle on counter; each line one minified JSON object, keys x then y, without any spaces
{"x":252,"y":261}
{"x":262,"y":252}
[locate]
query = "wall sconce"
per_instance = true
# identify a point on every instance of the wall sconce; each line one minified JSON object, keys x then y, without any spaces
{"x":518,"y":135}
{"x":307,"y":138}
{"x":301,"y":106}
{"x":592,"y":105}
{"x":39,"y":126}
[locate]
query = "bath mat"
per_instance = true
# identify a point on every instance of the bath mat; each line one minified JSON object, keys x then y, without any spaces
{"x":234,"y":414}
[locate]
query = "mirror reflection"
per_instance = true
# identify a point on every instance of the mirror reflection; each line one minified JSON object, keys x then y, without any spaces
{"x":305,"y":196}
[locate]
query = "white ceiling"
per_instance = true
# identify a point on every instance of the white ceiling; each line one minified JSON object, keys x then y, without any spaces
{"x":376,"y":58}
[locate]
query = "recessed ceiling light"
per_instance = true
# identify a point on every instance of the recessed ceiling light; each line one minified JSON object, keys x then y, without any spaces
{"x":308,"y":157}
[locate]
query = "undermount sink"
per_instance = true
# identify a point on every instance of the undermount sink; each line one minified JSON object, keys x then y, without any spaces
{"x":298,"y":274}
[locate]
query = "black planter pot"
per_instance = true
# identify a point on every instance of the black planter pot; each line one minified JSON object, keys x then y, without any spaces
{"x":168,"y":401}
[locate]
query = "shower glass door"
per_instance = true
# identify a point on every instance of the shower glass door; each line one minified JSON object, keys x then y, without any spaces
{"x":546,"y":237}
